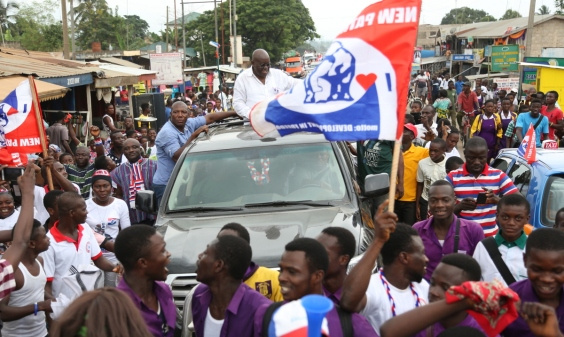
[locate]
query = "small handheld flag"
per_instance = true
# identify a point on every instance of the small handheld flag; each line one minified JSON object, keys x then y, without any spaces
{"x":214,"y":44}
{"x":359,"y":90}
{"x":528,"y":147}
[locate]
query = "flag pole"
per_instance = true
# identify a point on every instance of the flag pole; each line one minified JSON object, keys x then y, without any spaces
{"x":394,"y":175}
{"x":40,"y":127}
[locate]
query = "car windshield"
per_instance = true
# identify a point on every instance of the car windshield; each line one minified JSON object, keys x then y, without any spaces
{"x":293,"y":64}
{"x":553,"y":196}
{"x":280,"y":175}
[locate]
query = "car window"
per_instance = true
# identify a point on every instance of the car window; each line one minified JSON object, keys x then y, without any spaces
{"x":501,"y":163}
{"x":521,"y":176}
{"x":552,"y":200}
{"x":234,"y":178}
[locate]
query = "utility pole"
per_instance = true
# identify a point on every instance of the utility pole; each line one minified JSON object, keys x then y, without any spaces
{"x":203,"y":53}
{"x":73,"y":46}
{"x":166,"y":30}
{"x":235,"y":31}
{"x":222,"y":35}
{"x":65,"y":30}
{"x":183,"y":36}
{"x":530,"y":28}
{"x":175,"y":29}
{"x":215,"y":19}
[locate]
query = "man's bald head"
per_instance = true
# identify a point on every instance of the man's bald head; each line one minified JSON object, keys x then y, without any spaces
{"x":179,"y":104}
{"x":69,"y":201}
{"x":132,"y":150}
{"x":131,"y":142}
{"x":260,"y":53}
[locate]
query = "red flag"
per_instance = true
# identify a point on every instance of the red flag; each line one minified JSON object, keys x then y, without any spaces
{"x":19,"y":133}
{"x":528,"y":147}
{"x":359,"y":90}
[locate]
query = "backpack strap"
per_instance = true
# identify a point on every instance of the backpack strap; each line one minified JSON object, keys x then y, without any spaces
{"x":541,"y":117}
{"x":493,"y":251}
{"x":345,"y":318}
{"x":456,"y":236}
{"x":267,"y":318}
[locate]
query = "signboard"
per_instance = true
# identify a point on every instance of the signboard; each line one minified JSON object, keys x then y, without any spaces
{"x":488,"y":51}
{"x":530,"y":76}
{"x":168,"y":67}
{"x":507,"y":84}
{"x":462,"y":57}
{"x":505,"y":58}
{"x":553,"y":61}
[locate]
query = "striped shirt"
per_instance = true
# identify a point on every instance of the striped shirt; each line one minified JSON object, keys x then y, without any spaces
{"x":122,"y":174}
{"x":7,"y":281}
{"x":81,"y":177}
{"x":467,"y":186}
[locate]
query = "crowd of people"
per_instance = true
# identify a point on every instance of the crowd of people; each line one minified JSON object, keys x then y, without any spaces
{"x":454,"y":257}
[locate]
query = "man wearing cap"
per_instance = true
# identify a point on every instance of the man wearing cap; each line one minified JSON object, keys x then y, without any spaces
{"x":405,"y":206}
{"x":467,"y":102}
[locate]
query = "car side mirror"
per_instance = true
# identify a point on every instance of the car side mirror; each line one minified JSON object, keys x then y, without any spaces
{"x":376,"y":185}
{"x":146,"y":201}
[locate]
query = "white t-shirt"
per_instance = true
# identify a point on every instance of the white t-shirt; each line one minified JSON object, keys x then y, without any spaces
{"x":513,"y":258}
{"x":378,"y":307}
{"x":453,"y":153}
{"x":421,"y":130}
{"x":64,"y":253}
{"x":212,"y":326}
{"x":108,"y":219}
{"x":9,"y":222}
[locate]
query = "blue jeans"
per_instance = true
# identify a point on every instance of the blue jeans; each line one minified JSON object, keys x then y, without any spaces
{"x":159,"y":191}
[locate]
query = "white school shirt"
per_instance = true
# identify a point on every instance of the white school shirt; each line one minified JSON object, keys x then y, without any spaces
{"x":428,"y":172}
{"x":513,"y":258}
{"x":378,"y":307}
{"x":65,"y":252}
{"x":249,"y":90}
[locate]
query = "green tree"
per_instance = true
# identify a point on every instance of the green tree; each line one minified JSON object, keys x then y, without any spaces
{"x":510,"y":14}
{"x":36,"y":28}
{"x":94,"y":22}
{"x":275,"y":26}
{"x":559,"y":4}
{"x":7,"y":20}
{"x":465,"y":15}
{"x":543,"y":10}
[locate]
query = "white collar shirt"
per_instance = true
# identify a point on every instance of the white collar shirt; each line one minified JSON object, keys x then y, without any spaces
{"x":249,"y":90}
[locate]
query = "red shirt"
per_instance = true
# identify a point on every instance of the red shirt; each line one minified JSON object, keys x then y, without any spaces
{"x":467,"y":102}
{"x":553,"y":116}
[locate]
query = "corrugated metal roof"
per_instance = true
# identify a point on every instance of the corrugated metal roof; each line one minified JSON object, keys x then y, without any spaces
{"x":45,"y":90}
{"x":12,"y":64}
{"x":126,"y":70}
{"x":497,"y":29}
{"x":121,"y":62}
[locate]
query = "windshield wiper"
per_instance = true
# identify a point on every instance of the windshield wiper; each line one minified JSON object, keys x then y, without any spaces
{"x":290,"y":203}
{"x":205,"y":209}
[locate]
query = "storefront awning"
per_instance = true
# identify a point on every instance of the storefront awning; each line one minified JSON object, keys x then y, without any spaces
{"x":114,"y":79}
{"x":45,"y":90}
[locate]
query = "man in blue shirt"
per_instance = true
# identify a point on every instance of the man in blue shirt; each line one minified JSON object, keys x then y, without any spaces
{"x":459,"y":84}
{"x":174,"y":137}
{"x":540,"y":123}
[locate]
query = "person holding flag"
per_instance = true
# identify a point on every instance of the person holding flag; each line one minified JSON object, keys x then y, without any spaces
{"x":534,"y":117}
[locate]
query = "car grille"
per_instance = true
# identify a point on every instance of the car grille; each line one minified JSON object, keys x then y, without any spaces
{"x":181,"y":285}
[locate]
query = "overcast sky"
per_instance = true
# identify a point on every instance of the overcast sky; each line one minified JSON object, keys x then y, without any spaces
{"x":330,"y":16}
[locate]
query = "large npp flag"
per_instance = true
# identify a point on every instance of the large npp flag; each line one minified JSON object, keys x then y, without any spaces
{"x":359,"y":90}
{"x":19,"y":130}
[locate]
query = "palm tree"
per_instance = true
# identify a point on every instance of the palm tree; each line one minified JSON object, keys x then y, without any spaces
{"x":7,"y":16}
{"x":543,"y":10}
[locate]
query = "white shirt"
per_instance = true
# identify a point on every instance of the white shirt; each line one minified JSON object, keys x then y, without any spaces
{"x":62,"y":254}
{"x":212,"y":326}
{"x":453,"y":153}
{"x":378,"y":307}
{"x":249,"y":90}
{"x":10,"y":221}
{"x":444,"y":84}
{"x":428,"y":172}
{"x":513,"y":258}
{"x":108,"y":219}
{"x":421,"y":130}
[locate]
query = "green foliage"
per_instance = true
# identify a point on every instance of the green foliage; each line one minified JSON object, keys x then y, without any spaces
{"x":559,"y":4}
{"x":543,"y":10}
{"x":7,"y":14}
{"x":275,"y":26}
{"x":94,"y":23}
{"x":464,"y":15}
{"x":36,"y":28}
{"x":510,"y":14}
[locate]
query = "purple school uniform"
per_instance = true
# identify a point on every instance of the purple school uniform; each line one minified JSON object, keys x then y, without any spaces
{"x":519,"y":327}
{"x":437,"y":328}
{"x":335,"y":297}
{"x":153,"y":320}
{"x":239,"y":315}
{"x":470,"y":234}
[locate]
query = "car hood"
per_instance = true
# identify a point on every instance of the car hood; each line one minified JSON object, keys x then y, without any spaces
{"x":186,"y":237}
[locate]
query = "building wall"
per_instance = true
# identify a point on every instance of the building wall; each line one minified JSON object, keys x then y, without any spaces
{"x":547,"y":34}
